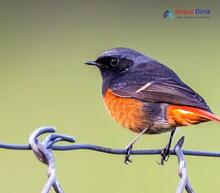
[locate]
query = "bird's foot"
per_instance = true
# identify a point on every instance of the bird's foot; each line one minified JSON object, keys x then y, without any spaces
{"x":127,"y":159}
{"x":165,"y":154}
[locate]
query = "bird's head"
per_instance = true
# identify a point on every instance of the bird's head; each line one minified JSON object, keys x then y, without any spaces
{"x":117,"y":61}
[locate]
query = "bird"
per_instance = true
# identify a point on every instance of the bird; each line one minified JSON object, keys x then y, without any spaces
{"x":147,"y":97}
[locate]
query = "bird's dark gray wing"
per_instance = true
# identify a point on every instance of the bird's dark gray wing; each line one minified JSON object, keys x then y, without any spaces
{"x":166,"y":91}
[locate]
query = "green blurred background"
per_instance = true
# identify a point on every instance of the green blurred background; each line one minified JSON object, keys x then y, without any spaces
{"x":43,"y":82}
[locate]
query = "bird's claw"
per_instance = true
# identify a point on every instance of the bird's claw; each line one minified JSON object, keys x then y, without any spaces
{"x":165,"y":154}
{"x":127,"y":159}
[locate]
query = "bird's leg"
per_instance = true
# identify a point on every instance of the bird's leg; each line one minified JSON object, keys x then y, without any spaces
{"x":130,"y":146}
{"x":165,"y":154}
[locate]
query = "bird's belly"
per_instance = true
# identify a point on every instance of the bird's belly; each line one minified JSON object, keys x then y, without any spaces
{"x":126,"y":111}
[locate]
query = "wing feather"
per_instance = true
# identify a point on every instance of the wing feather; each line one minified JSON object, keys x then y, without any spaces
{"x":168,"y":91}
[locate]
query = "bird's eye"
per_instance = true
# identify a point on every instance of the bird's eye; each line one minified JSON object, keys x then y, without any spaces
{"x":114,"y":62}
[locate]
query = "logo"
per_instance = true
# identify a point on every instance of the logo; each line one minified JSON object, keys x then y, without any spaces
{"x":187,"y":13}
{"x":168,"y":14}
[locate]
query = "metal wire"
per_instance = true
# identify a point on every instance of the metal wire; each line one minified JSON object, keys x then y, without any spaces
{"x":110,"y":150}
{"x":44,"y":153}
{"x":184,"y":179}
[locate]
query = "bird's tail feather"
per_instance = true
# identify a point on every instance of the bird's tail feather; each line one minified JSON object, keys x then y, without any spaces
{"x":202,"y":113}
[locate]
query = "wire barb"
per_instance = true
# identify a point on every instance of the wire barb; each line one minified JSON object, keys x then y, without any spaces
{"x":43,"y":152}
{"x":184,"y":179}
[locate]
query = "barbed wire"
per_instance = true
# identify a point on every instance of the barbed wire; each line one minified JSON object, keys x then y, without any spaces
{"x":44,"y":153}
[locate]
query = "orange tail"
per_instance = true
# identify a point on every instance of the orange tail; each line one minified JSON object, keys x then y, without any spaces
{"x":185,"y":115}
{"x":203,"y":113}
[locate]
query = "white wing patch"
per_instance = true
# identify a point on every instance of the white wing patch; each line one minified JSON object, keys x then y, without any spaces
{"x":144,"y":87}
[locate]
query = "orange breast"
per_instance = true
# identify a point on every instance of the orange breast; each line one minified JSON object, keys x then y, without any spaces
{"x":126,"y":111}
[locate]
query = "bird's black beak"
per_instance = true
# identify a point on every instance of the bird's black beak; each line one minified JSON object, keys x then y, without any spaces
{"x":93,"y":63}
